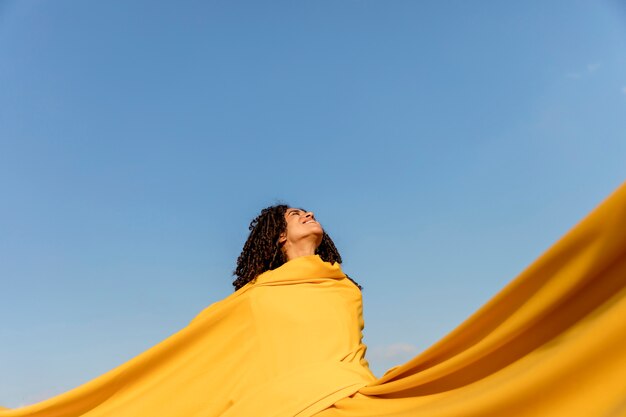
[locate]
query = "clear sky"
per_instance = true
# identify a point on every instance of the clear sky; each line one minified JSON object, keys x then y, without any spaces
{"x":443,"y":145}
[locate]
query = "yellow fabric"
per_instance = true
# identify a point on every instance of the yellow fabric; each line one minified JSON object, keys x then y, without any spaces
{"x":552,"y":343}
{"x":287,"y":345}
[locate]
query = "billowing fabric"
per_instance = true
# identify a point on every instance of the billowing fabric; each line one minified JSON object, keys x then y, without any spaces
{"x":552,"y":343}
{"x":288,"y":344}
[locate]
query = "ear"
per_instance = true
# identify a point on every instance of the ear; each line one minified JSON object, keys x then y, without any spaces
{"x":282,"y":238}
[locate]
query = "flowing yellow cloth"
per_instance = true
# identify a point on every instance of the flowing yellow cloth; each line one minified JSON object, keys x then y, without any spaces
{"x":289,"y":344}
{"x":552,"y":343}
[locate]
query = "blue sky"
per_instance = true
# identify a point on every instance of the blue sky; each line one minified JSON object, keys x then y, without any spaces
{"x":443,"y":145}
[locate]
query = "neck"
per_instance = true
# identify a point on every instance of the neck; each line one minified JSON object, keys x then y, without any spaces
{"x":302,"y":249}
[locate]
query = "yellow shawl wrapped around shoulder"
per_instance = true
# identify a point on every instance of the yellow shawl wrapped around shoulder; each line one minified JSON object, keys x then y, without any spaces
{"x":552,"y":343}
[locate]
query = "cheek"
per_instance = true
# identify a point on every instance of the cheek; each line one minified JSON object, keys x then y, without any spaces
{"x":290,"y":229}
{"x":295,"y":230}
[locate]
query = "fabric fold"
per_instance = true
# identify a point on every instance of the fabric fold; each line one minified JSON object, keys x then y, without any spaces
{"x":287,"y":344}
{"x":551,"y":343}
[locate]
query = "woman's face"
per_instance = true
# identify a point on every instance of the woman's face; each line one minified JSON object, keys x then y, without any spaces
{"x":302,"y":230}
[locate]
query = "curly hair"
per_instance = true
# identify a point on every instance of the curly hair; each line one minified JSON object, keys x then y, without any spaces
{"x":263,"y":251}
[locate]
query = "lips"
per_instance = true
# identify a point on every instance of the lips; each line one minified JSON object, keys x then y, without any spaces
{"x":309,"y":221}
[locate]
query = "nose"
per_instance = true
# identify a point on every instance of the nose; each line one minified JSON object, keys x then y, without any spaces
{"x":309,"y":214}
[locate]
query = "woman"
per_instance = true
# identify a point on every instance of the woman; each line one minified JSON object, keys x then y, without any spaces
{"x":308,"y":314}
{"x":287,"y":342}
